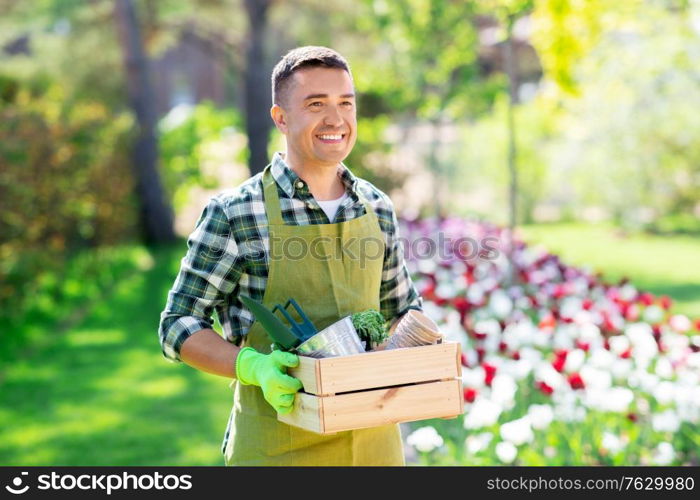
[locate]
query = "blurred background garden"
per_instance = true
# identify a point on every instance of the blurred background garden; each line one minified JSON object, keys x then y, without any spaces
{"x":568,"y":130}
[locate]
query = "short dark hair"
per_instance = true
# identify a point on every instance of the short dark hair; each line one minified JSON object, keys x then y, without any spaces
{"x":303,"y":57}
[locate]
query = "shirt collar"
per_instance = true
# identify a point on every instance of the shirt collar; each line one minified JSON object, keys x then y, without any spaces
{"x":287,"y":178}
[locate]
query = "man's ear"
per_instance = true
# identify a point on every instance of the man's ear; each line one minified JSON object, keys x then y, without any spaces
{"x":278,"y":116}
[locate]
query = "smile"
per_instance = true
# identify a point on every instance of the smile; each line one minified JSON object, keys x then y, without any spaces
{"x":331,"y":138}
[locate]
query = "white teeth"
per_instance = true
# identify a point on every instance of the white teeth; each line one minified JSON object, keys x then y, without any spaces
{"x":330,"y":137}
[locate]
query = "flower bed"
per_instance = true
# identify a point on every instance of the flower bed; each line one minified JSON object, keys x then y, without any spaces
{"x":560,"y":368}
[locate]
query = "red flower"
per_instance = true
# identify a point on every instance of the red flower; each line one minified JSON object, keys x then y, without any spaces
{"x":575,"y":381}
{"x":547,"y":322}
{"x":544,"y":387}
{"x":626,"y":354}
{"x":516,"y":356}
{"x":469,"y":395}
{"x":489,"y":373}
{"x":632,"y":312}
{"x":560,"y":291}
{"x":502,"y":347}
{"x":632,"y":417}
{"x":665,"y":302}
{"x":480,"y":353}
{"x":587,"y":304}
{"x":558,"y":364}
{"x":461,"y":304}
{"x":465,"y":362}
{"x":646,"y":298}
{"x":584,"y":346}
{"x":697,"y":324}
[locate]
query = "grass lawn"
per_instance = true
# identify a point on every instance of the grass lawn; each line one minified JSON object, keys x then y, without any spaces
{"x":101,"y":393}
{"x":663,"y":265}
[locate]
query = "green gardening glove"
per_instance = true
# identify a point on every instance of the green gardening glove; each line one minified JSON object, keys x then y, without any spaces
{"x":268,"y":371}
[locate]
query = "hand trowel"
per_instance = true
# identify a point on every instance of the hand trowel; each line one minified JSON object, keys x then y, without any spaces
{"x":287,"y":338}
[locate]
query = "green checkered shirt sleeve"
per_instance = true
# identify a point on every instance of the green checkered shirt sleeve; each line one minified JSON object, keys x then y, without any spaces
{"x":208,"y":274}
{"x":397,"y":293}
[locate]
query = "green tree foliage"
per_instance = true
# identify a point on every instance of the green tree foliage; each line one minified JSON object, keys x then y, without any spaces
{"x":631,"y":138}
{"x":186,"y":137}
{"x":64,"y":183}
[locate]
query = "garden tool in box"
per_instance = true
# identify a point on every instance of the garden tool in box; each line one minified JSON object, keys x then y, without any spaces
{"x":339,"y":339}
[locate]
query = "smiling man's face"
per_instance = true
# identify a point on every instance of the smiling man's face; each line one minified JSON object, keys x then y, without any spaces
{"x":318,"y":117}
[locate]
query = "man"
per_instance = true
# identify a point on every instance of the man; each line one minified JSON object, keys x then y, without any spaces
{"x":242,"y":244}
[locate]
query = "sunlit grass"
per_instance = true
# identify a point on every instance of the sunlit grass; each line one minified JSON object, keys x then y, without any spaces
{"x":102,"y":393}
{"x":663,"y":265}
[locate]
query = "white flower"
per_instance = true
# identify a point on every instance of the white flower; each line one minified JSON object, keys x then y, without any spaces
{"x":483,"y":413}
{"x":564,"y":337}
{"x":500,"y":304}
{"x":688,"y":404}
{"x":601,"y":358}
{"x":666,"y":421}
{"x":425,"y":439}
{"x":488,"y":327}
{"x":517,"y":369}
{"x":517,"y":431}
{"x":619,"y":344}
{"x":621,"y":368}
{"x":653,"y":314}
{"x":589,"y":332}
{"x":530,"y":354}
{"x":615,"y":399}
{"x":664,"y":392}
{"x":569,"y":306}
{"x":478,"y":442}
{"x":643,"y":342}
{"x":612,"y":443}
{"x":546,"y":373}
{"x":574,"y":360}
{"x":628,"y":292}
{"x":446,"y":289}
{"x":680,"y":323}
{"x":432,"y":310}
{"x":475,"y":293}
{"x":644,"y":380}
{"x":503,"y":389}
{"x":540,"y":416}
{"x":472,"y":359}
{"x":693,"y":360}
{"x":506,"y":452}
{"x":664,"y":454}
{"x":663,"y":368}
{"x":473,"y":377}
{"x":595,"y":378}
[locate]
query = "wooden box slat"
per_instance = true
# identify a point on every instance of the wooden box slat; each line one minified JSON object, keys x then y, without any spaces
{"x":377,"y":388}
{"x":327,"y":376}
{"x":372,"y":408}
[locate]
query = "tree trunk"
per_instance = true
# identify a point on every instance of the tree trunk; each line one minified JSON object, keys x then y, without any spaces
{"x":156,"y":215}
{"x":257,"y":87}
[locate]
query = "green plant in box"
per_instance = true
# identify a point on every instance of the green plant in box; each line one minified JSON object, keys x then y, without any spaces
{"x":370,"y":326}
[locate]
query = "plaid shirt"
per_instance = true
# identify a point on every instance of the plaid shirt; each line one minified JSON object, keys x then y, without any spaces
{"x":219,"y":265}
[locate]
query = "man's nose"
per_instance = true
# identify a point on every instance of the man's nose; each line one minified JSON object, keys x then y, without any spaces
{"x":333,"y":117}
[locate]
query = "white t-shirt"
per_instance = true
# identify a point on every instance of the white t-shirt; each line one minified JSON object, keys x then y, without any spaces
{"x":331,"y":206}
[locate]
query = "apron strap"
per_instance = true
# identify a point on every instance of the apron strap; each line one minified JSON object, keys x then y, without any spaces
{"x":272,"y":200}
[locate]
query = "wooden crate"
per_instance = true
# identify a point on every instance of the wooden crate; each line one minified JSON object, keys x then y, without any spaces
{"x":377,"y":388}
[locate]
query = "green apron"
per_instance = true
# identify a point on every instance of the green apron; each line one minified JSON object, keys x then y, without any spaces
{"x":329,"y":284}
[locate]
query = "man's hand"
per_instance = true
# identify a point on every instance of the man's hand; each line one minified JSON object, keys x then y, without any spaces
{"x":268,"y":371}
